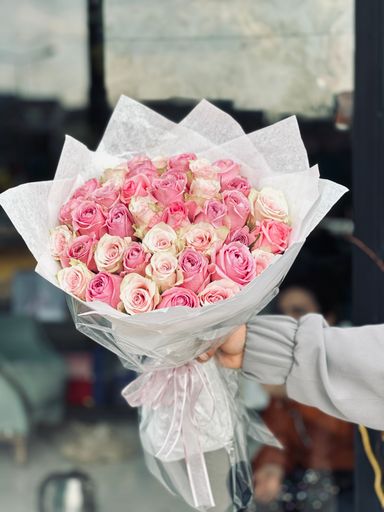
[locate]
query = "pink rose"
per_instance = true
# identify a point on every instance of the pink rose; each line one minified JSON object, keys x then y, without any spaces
{"x":59,"y":239}
{"x":237,"y":209}
{"x":218,"y":290}
{"x":160,"y":238}
{"x":85,"y":191}
{"x":82,"y":248}
{"x":163,"y":269}
{"x":273,"y":236}
{"x":238,"y":183}
{"x":169,"y":187}
{"x":228,"y":169}
{"x":203,"y":168}
{"x":119,"y":221}
{"x":66,"y":211}
{"x":214,"y":213}
{"x":202,"y":188}
{"x":269,"y":203}
{"x":179,"y":296}
{"x":181,"y":162}
{"x":242,"y":235}
{"x":134,"y":186}
{"x":138,"y":294}
{"x":263,"y":259}
{"x":141,"y":165}
{"x":143,"y":210}
{"x":74,"y":280}
{"x":203,"y":237}
{"x":104,"y":287}
{"x":109,"y":253}
{"x":234,"y":261}
{"x":195,"y":269}
{"x":135,"y":259}
{"x":107,"y":195}
{"x":89,"y":219}
{"x":176,"y":215}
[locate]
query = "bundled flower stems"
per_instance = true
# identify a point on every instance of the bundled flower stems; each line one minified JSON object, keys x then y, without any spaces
{"x":166,"y":239}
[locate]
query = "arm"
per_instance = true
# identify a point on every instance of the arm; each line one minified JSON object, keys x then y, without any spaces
{"x":338,"y":370}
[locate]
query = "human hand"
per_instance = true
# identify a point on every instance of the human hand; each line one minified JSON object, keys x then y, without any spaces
{"x":230,"y":354}
{"x":268,"y":482}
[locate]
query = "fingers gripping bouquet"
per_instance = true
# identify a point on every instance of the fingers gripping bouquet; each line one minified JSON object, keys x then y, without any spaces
{"x":163,"y":256}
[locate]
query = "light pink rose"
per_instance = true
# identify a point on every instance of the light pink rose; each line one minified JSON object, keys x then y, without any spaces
{"x":85,"y":191}
{"x":273,"y":236}
{"x":163,"y":269}
{"x":228,"y":169}
{"x":181,"y":162}
{"x":238,"y":183}
{"x":89,"y":219}
{"x":176,"y":215}
{"x":179,"y":296}
{"x":160,"y":162}
{"x":193,"y":209}
{"x":59,"y":239}
{"x":242,"y":235}
{"x":269,"y":203}
{"x":138,"y":294}
{"x":169,"y":187}
{"x":203,"y":237}
{"x":66,"y":211}
{"x":202,"y":168}
{"x":107,"y":195}
{"x":160,"y":238}
{"x":134,"y":186}
{"x":104,"y":287}
{"x":214,"y":212}
{"x":135,"y":259}
{"x":237,"y":209}
{"x":144,"y":210}
{"x":81,"y":248}
{"x":217,"y":291}
{"x":263,"y":259}
{"x":119,"y":221}
{"x":74,"y":280}
{"x":202,"y":188}
{"x":234,"y":261}
{"x":141,"y":165}
{"x":195,"y":269}
{"x":109,"y":253}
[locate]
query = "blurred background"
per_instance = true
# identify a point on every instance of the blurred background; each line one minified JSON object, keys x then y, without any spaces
{"x":66,"y":435}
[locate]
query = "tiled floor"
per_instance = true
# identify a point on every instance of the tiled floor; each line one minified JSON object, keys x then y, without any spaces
{"x":122,"y":486}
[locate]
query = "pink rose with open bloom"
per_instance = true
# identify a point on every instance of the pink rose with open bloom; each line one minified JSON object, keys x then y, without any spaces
{"x":143,"y":210}
{"x":66,"y":211}
{"x":214,"y":212}
{"x":75,"y":279}
{"x":135,"y":259}
{"x":104,"y":287}
{"x":176,"y":215}
{"x":263,"y":259}
{"x":269,"y":203}
{"x":204,"y":189}
{"x":160,"y":238}
{"x":179,"y":296}
{"x":202,"y":237}
{"x":59,"y":239}
{"x":169,"y":187}
{"x":134,"y":186}
{"x":163,"y":269}
{"x":138,"y":294}
{"x":181,"y":162}
{"x":234,"y":261}
{"x":85,"y":191}
{"x":107,"y":195}
{"x":217,"y":291}
{"x":81,"y":248}
{"x":243,"y":235}
{"x":119,"y":221}
{"x":237,"y":209}
{"x":195,"y":269}
{"x":109,"y":253}
{"x":141,"y":165}
{"x":273,"y":236}
{"x":227,"y":170}
{"x":202,"y":168}
{"x":238,"y":183}
{"x":89,"y":219}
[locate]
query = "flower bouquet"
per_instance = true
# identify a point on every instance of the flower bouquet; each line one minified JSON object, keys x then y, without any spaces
{"x":166,"y":239}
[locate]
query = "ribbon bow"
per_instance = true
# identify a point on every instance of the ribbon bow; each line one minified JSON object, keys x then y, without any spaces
{"x":179,"y":389}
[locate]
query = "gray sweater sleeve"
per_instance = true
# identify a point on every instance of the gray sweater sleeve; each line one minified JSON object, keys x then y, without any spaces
{"x":337,"y":370}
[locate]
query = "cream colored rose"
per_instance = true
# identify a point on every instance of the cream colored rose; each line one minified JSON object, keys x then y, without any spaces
{"x":202,"y":168}
{"x":139,"y":294}
{"x":59,"y":239}
{"x":160,"y":162}
{"x":161,"y":238}
{"x":263,"y":259}
{"x":114,"y":175}
{"x":75,"y":279}
{"x":205,"y":189}
{"x":110,"y":252}
{"x":203,"y":236}
{"x":269,"y":203}
{"x":163,"y":268}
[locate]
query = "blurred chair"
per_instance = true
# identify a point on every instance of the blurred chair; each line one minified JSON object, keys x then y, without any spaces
{"x":32,"y":381}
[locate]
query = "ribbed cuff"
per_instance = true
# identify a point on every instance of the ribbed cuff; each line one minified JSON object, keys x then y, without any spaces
{"x":268,"y":356}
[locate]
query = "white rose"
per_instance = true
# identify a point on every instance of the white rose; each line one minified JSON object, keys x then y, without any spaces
{"x":110,"y":252}
{"x":269,"y":203}
{"x":160,"y":238}
{"x":59,"y":239}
